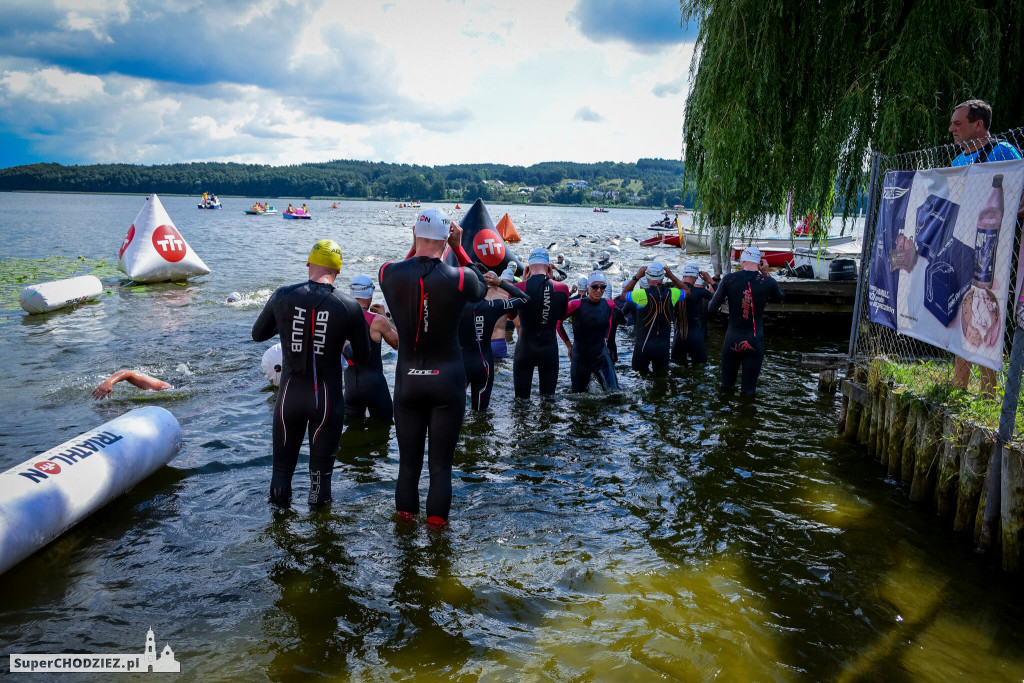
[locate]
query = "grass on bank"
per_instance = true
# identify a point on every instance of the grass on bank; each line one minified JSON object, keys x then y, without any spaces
{"x":932,"y":381}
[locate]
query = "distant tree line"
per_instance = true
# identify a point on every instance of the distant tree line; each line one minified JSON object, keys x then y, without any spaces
{"x":648,"y":182}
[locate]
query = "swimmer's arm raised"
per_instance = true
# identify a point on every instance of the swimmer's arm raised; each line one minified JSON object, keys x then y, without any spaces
{"x":137,"y":378}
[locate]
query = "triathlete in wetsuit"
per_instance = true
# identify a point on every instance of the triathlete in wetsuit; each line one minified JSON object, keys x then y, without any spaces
{"x":692,"y":320}
{"x":426,"y":297}
{"x":314,"y":321}
{"x":475,"y":328}
{"x":366,"y":389}
{"x":747,"y":291}
{"x":592,"y":319}
{"x":655,"y":309}
{"x":537,"y":347}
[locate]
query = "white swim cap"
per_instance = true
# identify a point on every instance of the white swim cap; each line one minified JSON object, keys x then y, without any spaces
{"x":606,"y":255}
{"x":752,"y":254}
{"x":539,"y":257}
{"x":433,"y":224}
{"x":691,"y":270}
{"x":581,"y":283}
{"x":643,"y":282}
{"x":508,"y":275}
{"x":233,"y":297}
{"x":596,"y":277}
{"x":271,"y":364}
{"x":361,"y":287}
{"x":655,"y":271}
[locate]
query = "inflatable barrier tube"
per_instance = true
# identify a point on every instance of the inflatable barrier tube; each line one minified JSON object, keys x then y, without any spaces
{"x":49,"y":493}
{"x":49,"y":296}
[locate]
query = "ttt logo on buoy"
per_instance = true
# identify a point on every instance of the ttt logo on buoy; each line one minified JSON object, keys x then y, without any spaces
{"x":489,"y":247}
{"x":169,"y":243}
{"x":127,"y":240}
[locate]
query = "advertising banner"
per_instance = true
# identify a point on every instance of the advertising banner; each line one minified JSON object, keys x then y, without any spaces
{"x":941,"y":261}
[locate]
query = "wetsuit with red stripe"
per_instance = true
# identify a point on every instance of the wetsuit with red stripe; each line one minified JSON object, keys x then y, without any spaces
{"x":592,"y":325}
{"x":537,"y":347}
{"x":475,"y":328}
{"x":366,"y":388}
{"x":314,"y":321}
{"x":748,"y":291}
{"x":426,"y":297}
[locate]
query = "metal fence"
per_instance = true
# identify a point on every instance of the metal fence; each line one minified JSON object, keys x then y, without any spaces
{"x":869,"y":340}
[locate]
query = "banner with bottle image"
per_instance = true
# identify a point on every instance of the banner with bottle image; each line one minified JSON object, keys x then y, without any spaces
{"x":940,"y":268}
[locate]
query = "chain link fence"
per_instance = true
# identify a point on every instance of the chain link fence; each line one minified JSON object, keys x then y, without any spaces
{"x":927,"y":369}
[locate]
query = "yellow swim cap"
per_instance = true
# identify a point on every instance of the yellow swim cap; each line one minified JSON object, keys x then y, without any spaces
{"x":326,"y":253}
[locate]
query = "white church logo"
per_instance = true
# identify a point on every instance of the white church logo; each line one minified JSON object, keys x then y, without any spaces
{"x":165,"y":662}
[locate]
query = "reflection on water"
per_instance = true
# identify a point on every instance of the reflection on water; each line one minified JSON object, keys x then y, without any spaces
{"x":674,"y":533}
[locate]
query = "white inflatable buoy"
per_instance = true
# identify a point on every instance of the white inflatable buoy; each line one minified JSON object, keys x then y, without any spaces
{"x":612,"y":248}
{"x":271,"y":364}
{"x":49,"y":296}
{"x":154,"y":250}
{"x":49,"y":493}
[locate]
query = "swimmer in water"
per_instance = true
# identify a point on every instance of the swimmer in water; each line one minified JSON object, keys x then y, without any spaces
{"x":426,"y":297}
{"x":315,"y":321}
{"x":138,"y":379}
{"x":592,"y":322}
{"x":366,"y":388}
{"x":537,"y":348}
{"x":748,"y":291}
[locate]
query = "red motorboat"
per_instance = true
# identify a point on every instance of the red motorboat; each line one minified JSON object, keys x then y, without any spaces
{"x":776,"y":258}
{"x":663,"y":238}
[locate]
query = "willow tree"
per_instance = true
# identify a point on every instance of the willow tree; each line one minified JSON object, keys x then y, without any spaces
{"x":789,"y":96}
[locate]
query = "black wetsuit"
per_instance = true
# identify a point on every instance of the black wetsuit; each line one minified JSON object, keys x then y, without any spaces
{"x":314,"y":321}
{"x":692,"y":342}
{"x":366,"y":388}
{"x":747,"y":291}
{"x":592,"y":323}
{"x":426,"y":298}
{"x":475,"y":328}
{"x":655,"y":313}
{"x":537,"y":347}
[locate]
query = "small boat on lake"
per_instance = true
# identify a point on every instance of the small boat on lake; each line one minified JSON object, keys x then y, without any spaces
{"x":262,"y":211}
{"x":298,"y":213}
{"x":209,"y":202}
{"x":599,"y":210}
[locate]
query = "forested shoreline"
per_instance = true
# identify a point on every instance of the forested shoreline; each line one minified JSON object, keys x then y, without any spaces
{"x":648,"y":182}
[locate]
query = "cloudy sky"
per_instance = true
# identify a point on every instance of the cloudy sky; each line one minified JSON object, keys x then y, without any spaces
{"x":293,"y":81}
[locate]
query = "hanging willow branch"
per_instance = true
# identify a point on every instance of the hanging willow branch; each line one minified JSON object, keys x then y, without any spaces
{"x":791,"y":96}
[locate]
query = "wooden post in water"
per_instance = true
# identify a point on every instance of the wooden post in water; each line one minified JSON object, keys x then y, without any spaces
{"x":886,"y":428}
{"x":949,"y":468}
{"x":865,"y":421}
{"x":1012,"y":500}
{"x":973,"y":463}
{"x":984,"y":540}
{"x":909,"y":450}
{"x":852,"y":420}
{"x":876,"y":413}
{"x":897,"y":429}
{"x":929,"y":432}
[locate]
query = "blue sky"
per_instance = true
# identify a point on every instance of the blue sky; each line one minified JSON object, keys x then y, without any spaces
{"x":293,"y":81}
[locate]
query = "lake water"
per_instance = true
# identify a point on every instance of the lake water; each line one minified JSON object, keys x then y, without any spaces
{"x":678,"y":534}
